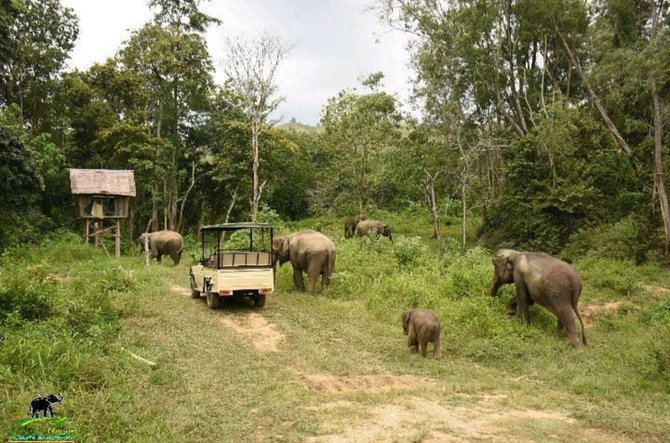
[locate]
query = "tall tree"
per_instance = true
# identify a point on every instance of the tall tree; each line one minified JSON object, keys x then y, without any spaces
{"x":631,"y":49}
{"x":182,"y":14}
{"x":251,"y":69}
{"x":359,"y":128}
{"x":176,"y":71}
{"x":38,"y":37}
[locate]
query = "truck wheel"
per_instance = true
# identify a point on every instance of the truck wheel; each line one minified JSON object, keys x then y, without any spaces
{"x":213,"y":300}
{"x":194,"y":292}
{"x":259,"y":301}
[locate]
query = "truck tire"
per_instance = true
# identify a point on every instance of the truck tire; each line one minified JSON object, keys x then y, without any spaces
{"x":194,"y":292}
{"x":259,"y":300}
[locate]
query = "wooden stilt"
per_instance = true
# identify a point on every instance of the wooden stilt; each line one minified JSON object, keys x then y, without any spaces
{"x":96,"y":234}
{"x":117,"y":239}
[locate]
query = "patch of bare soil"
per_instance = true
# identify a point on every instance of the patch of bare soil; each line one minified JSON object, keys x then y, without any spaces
{"x":263,"y":334}
{"x":589,"y":313}
{"x":486,"y":419}
{"x":181,"y":290}
{"x":334,"y":383}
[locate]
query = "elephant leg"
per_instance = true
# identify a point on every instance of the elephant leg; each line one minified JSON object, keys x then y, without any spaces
{"x":437,"y":353}
{"x":313,"y":272}
{"x":423,"y":345}
{"x":522,"y":300}
{"x":512,"y":307}
{"x":559,"y":326}
{"x":158,"y":257}
{"x":312,"y":283}
{"x":569,"y":321}
{"x":411,"y":339}
{"x":297,"y":279}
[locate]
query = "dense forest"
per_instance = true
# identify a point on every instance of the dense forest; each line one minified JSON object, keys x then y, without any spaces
{"x":543,"y":119}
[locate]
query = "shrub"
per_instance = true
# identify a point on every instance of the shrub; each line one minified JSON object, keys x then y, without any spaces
{"x":411,"y":251}
{"x":468,"y":274}
{"x":629,"y":239}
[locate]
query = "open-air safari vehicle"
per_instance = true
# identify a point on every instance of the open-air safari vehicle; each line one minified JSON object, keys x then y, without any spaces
{"x":236,"y":261}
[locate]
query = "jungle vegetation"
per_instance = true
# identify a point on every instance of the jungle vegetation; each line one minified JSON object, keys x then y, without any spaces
{"x":545,"y":120}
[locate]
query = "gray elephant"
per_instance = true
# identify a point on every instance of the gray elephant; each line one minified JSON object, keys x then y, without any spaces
{"x":421,"y":327}
{"x":350,"y":226}
{"x":310,"y":252}
{"x":542,"y":279}
{"x":364,"y":227}
{"x":163,"y":243}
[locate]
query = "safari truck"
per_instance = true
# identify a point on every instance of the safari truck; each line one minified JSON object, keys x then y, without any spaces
{"x":236,"y":261}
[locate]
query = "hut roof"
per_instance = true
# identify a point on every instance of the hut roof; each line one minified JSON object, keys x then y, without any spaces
{"x":102,"y":181}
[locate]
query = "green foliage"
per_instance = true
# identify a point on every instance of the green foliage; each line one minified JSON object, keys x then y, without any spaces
{"x":603,"y":275}
{"x":39,"y":37}
{"x":60,"y":308}
{"x":358,"y":129}
{"x":559,"y":180}
{"x":629,"y":239}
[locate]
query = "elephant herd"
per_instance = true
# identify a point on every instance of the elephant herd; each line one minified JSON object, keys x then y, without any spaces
{"x":537,"y":277}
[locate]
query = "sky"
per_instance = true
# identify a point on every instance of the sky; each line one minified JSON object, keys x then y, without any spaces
{"x":335,"y":43}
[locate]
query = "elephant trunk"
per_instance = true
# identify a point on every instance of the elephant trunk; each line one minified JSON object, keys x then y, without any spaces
{"x":495,"y":285}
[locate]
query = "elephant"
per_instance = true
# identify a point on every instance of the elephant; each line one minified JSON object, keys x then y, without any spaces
{"x":540,"y":278}
{"x":366,"y":226}
{"x":43,"y":404}
{"x":421,"y":326}
{"x":309,"y":251}
{"x":350,"y":226}
{"x":163,"y":243}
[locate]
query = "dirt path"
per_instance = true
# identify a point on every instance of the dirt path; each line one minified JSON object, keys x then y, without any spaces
{"x":325,"y":407}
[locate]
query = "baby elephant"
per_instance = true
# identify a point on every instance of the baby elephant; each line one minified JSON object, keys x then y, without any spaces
{"x":421,"y":326}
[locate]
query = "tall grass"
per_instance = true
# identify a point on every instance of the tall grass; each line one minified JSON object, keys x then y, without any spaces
{"x":61,"y":304}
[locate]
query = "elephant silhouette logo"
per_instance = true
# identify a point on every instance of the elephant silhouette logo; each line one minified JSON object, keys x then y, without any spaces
{"x":43,"y":403}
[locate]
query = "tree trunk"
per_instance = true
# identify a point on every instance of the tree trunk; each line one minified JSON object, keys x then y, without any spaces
{"x":180,"y":224}
{"x":592,"y":95}
{"x":154,"y":210}
{"x":432,"y":201}
{"x":465,"y":212}
{"x":659,"y":176}
{"x":255,"y":197}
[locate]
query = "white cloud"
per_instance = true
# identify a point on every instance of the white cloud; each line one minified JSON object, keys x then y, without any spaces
{"x":334,"y":43}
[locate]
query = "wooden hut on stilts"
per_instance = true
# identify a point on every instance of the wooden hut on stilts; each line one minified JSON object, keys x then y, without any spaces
{"x":103,"y":200}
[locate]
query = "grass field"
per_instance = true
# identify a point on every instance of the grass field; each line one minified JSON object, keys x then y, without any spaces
{"x":333,"y":367}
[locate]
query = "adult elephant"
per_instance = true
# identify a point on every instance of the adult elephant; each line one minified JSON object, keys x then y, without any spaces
{"x":542,"y":279}
{"x":163,"y":243}
{"x":310,"y":252}
{"x":350,"y":226}
{"x":365,"y":227}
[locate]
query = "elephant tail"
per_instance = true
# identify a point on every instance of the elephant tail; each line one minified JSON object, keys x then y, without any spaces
{"x":579,"y":317}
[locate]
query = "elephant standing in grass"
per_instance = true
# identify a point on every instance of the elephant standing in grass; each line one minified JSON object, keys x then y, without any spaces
{"x":542,"y":279}
{"x":163,"y":243}
{"x":350,"y":226}
{"x":421,"y":327}
{"x":310,"y":252}
{"x":364,"y":227}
